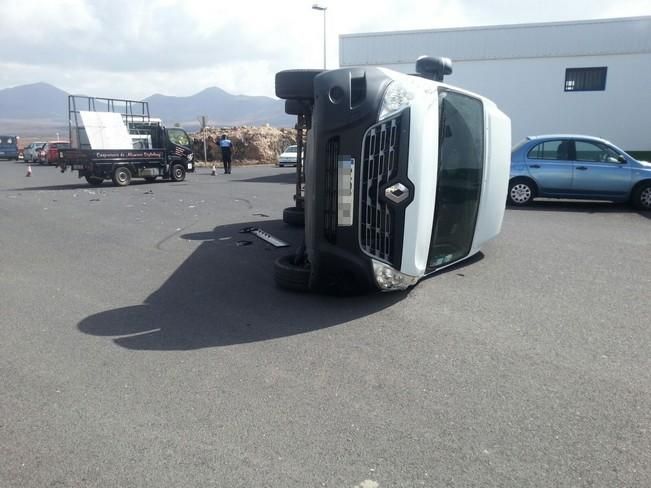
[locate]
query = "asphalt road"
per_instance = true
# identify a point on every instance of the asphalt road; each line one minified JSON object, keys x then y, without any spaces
{"x":141,"y":346}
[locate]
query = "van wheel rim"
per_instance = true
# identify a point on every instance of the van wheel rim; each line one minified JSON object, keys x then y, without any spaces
{"x":645,"y":197}
{"x":520,"y":193}
{"x":122,"y":177}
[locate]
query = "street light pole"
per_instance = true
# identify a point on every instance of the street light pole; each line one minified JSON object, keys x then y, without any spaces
{"x":323,"y":9}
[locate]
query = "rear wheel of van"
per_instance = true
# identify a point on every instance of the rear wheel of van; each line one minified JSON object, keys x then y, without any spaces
{"x":294,"y":216}
{"x":291,"y":276}
{"x":298,"y":107}
{"x":296,"y":84}
{"x":94,"y":180}
{"x":522,"y":191}
{"x":121,"y":176}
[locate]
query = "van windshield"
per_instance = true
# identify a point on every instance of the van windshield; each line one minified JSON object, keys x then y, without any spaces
{"x":460,"y":168}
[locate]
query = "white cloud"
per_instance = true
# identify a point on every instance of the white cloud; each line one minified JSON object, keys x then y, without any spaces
{"x":133,"y":48}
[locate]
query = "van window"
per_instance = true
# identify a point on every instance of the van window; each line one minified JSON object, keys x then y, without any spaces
{"x":460,"y":169}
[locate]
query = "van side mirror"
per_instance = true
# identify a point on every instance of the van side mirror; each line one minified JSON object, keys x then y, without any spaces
{"x":433,"y":68}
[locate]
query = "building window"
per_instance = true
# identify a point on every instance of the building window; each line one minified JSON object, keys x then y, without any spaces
{"x":585,"y":79}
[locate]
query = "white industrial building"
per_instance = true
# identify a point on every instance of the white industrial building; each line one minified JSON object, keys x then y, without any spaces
{"x":588,"y":77}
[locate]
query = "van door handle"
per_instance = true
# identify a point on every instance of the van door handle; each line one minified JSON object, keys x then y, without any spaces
{"x":534,"y":166}
{"x":582,"y":168}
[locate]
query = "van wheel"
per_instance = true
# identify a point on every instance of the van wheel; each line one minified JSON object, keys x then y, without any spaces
{"x":291,"y":276}
{"x":521,"y":192}
{"x":121,"y":176}
{"x":298,"y":107}
{"x":296,"y":84}
{"x":94,"y":180}
{"x":294,"y":216}
{"x":178,"y":172}
{"x":641,"y":198}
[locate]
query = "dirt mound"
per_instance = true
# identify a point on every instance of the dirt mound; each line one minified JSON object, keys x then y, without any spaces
{"x":251,"y":145}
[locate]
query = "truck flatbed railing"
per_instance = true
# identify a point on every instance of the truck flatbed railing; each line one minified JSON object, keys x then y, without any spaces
{"x":133,"y":112}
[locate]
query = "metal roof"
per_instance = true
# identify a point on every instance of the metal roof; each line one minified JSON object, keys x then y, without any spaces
{"x":629,"y":35}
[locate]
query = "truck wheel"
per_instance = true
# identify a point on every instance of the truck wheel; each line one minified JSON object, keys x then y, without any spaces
{"x":178,"y":172}
{"x":290,"y":276}
{"x":121,"y":176}
{"x":296,"y":84}
{"x":94,"y":180}
{"x":294,"y":216}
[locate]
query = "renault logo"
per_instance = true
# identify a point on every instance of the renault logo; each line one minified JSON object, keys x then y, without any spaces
{"x":397,"y":193}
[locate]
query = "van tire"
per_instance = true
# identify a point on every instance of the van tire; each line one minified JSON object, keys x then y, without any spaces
{"x":290,"y":276}
{"x":296,"y":84}
{"x":178,"y":172}
{"x":121,"y":176}
{"x":298,"y":107}
{"x":294,"y":216}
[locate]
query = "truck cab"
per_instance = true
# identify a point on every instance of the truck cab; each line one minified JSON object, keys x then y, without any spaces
{"x":404,"y":176}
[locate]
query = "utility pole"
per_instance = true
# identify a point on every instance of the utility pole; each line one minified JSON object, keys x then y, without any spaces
{"x":203,"y":131}
{"x":322,"y":8}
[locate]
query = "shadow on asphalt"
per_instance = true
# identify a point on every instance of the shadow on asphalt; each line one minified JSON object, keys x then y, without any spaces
{"x":288,"y":178}
{"x":590,"y":207}
{"x":224,"y":294}
{"x":85,"y":186}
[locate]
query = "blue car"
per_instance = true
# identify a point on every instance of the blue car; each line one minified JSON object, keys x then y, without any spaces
{"x":578,"y":167}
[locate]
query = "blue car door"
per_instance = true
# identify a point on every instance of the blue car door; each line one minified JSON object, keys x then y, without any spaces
{"x":550,"y":165}
{"x":598,"y":171}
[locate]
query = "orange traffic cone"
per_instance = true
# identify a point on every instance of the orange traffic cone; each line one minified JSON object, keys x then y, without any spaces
{"x":214,"y":170}
{"x":29,"y":171}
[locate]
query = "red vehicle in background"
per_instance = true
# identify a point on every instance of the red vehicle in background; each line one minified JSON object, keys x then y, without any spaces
{"x":49,"y":154}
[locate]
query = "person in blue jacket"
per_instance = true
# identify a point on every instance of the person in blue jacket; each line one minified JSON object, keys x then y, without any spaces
{"x":226,"y":146}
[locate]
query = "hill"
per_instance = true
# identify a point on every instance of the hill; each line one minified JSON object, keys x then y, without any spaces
{"x":40,"y":109}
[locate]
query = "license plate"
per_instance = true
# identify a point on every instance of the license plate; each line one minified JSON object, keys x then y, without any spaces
{"x":345,"y":192}
{"x":189,"y":165}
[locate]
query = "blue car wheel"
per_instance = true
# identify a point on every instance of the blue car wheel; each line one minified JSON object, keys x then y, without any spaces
{"x":521,"y":191}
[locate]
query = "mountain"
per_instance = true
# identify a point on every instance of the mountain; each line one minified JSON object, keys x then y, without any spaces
{"x":40,"y":109}
{"x":220,"y":108}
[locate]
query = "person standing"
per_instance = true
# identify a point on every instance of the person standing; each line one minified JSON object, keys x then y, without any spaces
{"x":226,"y":146}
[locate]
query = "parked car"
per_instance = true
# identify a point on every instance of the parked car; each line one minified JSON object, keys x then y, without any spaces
{"x":577,"y":167}
{"x":9,"y":147}
{"x":31,"y":150}
{"x":289,"y":156}
{"x":49,"y":154}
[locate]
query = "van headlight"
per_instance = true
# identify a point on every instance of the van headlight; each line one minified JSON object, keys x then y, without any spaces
{"x":389,"y":279}
{"x":397,"y":97}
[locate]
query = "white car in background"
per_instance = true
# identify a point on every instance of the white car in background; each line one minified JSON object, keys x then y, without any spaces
{"x":30,"y":153}
{"x":288,"y":157}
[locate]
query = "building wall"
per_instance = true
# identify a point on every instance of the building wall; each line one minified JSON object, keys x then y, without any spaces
{"x":522,"y":69}
{"x":531,"y":92}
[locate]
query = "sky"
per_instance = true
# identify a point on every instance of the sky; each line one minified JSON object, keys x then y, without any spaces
{"x":135,"y":48}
